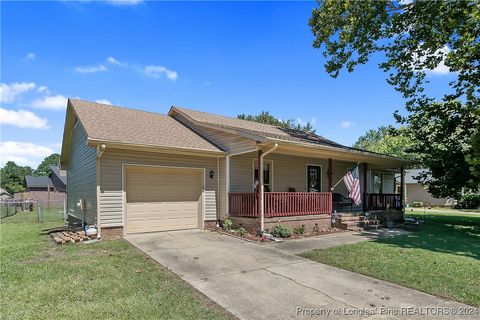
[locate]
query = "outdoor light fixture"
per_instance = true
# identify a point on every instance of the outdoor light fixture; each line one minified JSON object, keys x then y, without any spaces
{"x":211,"y":174}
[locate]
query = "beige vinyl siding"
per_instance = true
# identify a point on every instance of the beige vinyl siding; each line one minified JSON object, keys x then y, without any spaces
{"x":288,"y":172}
{"x":222,"y":189}
{"x":111,"y":201}
{"x":81,"y":177}
{"x":417,"y":192}
{"x":210,"y":205}
{"x":227,"y":141}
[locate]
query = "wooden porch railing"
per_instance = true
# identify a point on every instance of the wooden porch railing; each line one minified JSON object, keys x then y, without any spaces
{"x":382,"y":201}
{"x":243,"y":204}
{"x":280,"y":204}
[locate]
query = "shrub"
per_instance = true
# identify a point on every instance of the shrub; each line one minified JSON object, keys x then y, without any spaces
{"x":299,"y":230}
{"x":227,"y":224}
{"x":417,"y":204}
{"x":469,"y":201}
{"x":281,"y":231}
{"x":241,"y":231}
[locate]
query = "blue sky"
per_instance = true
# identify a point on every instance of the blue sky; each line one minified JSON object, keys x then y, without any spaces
{"x":220,"y":57}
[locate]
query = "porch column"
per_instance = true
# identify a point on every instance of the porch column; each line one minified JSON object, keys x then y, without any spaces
{"x":330,"y":173}
{"x":365,"y":185}
{"x":402,"y":188}
{"x":260,"y":182}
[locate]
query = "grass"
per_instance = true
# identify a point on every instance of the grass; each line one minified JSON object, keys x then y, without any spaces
{"x":442,"y":259}
{"x":106,"y":280}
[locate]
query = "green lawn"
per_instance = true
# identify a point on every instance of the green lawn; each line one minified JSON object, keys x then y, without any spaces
{"x":105,"y":280}
{"x":442,"y":259}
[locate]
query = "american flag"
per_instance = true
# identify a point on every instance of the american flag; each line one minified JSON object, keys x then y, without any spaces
{"x":352,"y":182}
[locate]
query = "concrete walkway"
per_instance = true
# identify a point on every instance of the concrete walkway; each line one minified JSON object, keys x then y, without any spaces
{"x":255,"y":281}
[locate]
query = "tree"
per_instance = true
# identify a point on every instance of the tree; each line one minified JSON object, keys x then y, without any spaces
{"x":387,"y":140}
{"x":12,"y":176}
{"x":415,"y":38}
{"x":44,"y":167}
{"x":266,"y":117}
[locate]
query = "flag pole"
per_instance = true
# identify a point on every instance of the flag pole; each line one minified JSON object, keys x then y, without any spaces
{"x":336,"y":184}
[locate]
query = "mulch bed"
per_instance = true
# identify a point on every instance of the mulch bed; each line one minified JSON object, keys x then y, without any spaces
{"x":254,"y":238}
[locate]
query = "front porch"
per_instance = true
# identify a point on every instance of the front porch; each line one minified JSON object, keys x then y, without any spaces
{"x":310,"y":209}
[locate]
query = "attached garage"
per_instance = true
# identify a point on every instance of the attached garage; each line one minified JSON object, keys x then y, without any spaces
{"x":163,"y":198}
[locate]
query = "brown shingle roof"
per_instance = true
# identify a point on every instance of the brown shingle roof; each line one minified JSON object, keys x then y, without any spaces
{"x":118,"y":124}
{"x":261,"y":129}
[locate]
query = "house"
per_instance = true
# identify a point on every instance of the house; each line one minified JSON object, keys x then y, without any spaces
{"x":59,"y":178}
{"x":132,"y":171}
{"x":4,"y":194}
{"x":41,"y":188}
{"x":415,"y":191}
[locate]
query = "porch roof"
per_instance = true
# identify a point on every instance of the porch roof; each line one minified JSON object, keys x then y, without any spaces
{"x":290,"y":140}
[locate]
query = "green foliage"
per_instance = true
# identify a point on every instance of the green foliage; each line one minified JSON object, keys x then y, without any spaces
{"x":12,"y":176}
{"x":227,"y":224}
{"x":413,"y":39}
{"x":469,"y":201}
{"x":417,"y":204}
{"x":267,"y":118}
{"x":387,"y":140}
{"x":299,"y":230}
{"x":44,"y":167}
{"x":241,"y":231}
{"x":281,"y":231}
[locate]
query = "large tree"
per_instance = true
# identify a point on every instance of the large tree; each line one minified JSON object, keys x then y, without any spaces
{"x":414,"y":38}
{"x":387,"y":140}
{"x":44,"y":167}
{"x":266,"y":117}
{"x":12,"y":176}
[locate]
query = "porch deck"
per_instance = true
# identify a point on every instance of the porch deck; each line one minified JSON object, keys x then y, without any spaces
{"x":289,"y":204}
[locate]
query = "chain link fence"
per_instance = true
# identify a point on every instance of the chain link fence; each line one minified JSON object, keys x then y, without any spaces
{"x":29,"y":211}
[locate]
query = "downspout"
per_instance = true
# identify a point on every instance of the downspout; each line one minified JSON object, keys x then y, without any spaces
{"x":100,"y":151}
{"x":227,"y":184}
{"x":262,"y":189}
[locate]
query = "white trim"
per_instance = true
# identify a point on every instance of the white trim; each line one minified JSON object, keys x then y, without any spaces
{"x":255,"y":160}
{"x":227,"y":184}
{"x":306,"y":175}
{"x":124,"y":195}
{"x":217,"y":195}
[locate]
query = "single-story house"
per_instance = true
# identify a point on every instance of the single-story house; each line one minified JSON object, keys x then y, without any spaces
{"x":132,"y":171}
{"x":43,"y":189}
{"x":415,"y":191}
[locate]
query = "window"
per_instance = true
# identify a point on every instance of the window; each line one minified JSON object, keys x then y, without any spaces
{"x":377,"y":182}
{"x":267,"y":175}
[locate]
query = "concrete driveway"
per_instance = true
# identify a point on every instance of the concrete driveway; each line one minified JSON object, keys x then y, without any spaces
{"x":255,"y":281}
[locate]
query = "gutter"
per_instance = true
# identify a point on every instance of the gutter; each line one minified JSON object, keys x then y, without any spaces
{"x":262,"y":191}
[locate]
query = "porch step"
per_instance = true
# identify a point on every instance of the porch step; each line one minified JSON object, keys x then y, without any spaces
{"x":351,"y":218}
{"x":358,"y":225}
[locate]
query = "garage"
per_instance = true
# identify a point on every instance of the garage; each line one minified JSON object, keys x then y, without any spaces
{"x":163,"y":199}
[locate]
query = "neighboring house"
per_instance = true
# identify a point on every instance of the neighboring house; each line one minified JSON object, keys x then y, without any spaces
{"x":416,"y":191}
{"x":4,"y":194}
{"x":133,"y":171}
{"x":59,"y":178}
{"x":41,"y":188}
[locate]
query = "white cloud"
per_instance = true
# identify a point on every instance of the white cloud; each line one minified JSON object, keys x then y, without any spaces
{"x":10,"y":92}
{"x":57,"y":102}
{"x":302,"y":122}
{"x":30,"y":56}
{"x":23,"y":153}
{"x":124,"y":2}
{"x":103,"y":101}
{"x":91,"y":69}
{"x":22,"y":119}
{"x":441,"y":68}
{"x":346,"y":124}
{"x":42,"y":89}
{"x":114,"y":61}
{"x":157,"y":71}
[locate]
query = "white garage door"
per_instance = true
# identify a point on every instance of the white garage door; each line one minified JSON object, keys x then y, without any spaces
{"x":162,"y":199}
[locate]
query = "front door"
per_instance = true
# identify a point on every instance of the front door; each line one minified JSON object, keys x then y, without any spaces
{"x":314,"y":178}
